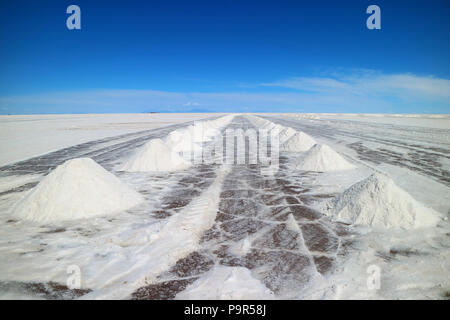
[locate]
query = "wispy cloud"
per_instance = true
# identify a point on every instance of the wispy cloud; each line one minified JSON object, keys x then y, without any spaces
{"x":191,"y":104}
{"x":369,"y":84}
{"x":352,"y":91}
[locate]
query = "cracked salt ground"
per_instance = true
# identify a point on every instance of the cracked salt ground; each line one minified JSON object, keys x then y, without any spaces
{"x":263,"y":224}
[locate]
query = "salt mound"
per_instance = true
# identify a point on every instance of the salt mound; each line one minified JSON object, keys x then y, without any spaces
{"x":79,"y":188}
{"x":322,"y":158}
{"x":155,"y":155}
{"x":299,"y":142}
{"x":226,"y":283}
{"x":377,"y":201}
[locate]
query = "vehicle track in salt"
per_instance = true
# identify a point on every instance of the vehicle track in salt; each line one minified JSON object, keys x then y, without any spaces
{"x":264,"y":223}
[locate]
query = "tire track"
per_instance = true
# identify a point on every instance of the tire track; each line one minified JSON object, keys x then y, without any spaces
{"x":263,"y":223}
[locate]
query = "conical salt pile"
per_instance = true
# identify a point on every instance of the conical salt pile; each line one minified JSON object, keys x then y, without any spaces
{"x":299,"y":142}
{"x":155,"y":155}
{"x":79,"y":188}
{"x":322,"y":158}
{"x":377,"y":201}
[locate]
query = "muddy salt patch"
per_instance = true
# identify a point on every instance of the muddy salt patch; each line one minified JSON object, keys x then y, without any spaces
{"x":79,"y":188}
{"x":179,"y":237}
{"x":322,"y":158}
{"x":226,"y":283}
{"x":299,"y":142}
{"x":378,"y":202}
{"x":155,"y":155}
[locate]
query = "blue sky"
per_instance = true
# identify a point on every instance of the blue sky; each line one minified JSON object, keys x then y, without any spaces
{"x":225,"y":56}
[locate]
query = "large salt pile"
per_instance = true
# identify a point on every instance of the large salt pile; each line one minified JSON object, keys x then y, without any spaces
{"x":322,"y":158}
{"x":377,"y":201}
{"x":155,"y":155}
{"x":299,"y":142}
{"x":79,"y":188}
{"x":226,"y":283}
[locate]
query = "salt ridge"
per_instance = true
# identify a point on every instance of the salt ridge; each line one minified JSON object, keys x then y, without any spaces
{"x":167,"y":155}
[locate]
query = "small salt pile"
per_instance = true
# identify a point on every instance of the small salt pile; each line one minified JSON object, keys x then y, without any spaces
{"x":322,"y":158}
{"x":155,"y":155}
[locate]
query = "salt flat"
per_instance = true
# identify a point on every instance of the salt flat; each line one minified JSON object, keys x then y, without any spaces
{"x":25,"y":136}
{"x":227,"y":230}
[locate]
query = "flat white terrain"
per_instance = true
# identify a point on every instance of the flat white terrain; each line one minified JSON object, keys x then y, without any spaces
{"x":26,"y":136}
{"x":376,"y":227}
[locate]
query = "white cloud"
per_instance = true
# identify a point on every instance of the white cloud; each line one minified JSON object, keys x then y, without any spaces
{"x":371,"y":84}
{"x":357,"y":91}
{"x":191,"y":104}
